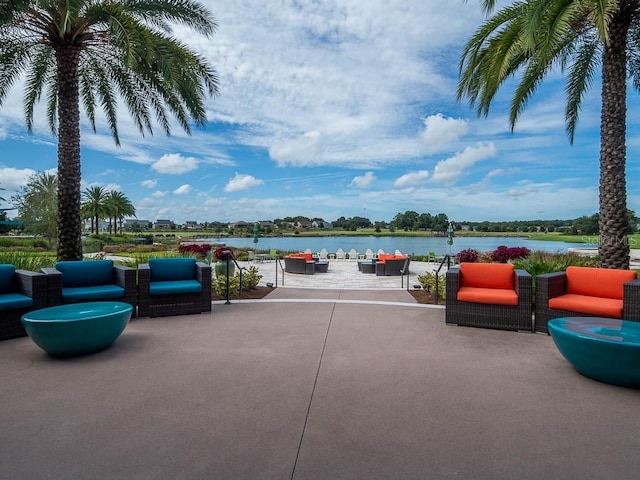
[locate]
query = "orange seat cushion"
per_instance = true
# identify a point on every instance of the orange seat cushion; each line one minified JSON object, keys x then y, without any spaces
{"x":606,"y":307}
{"x":389,"y":256}
{"x":307,"y":256}
{"x":598,"y":282}
{"x":487,"y":275}
{"x":492,"y":296}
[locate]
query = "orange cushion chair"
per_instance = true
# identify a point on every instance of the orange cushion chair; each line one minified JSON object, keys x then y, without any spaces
{"x":489,"y":295}
{"x":587,"y":291}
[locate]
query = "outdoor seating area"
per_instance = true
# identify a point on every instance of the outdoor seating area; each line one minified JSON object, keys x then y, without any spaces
{"x":163,"y":287}
{"x":305,"y":263}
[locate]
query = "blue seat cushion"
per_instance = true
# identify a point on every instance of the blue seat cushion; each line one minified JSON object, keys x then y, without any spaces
{"x":12,"y":301}
{"x":96,"y":292}
{"x":7,"y":271}
{"x":85,"y":273}
{"x":175,"y":287}
{"x":169,"y":269}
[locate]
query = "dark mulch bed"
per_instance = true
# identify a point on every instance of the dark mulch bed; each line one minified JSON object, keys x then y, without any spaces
{"x":421,"y":296}
{"x":253,"y":294}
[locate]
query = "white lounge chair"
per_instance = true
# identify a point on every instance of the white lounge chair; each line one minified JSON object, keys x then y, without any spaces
{"x":323,"y":254}
{"x":340,"y":255}
{"x":369,"y":254}
{"x":353,"y":254}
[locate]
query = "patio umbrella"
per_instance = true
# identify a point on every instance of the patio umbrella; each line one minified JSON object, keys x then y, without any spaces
{"x":450,"y":236}
{"x":256,"y":231}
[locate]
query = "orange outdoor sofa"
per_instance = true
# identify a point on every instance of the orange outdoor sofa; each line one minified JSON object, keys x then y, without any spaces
{"x":587,"y":291}
{"x":389,"y":264}
{"x":489,"y":295}
{"x":304,"y":263}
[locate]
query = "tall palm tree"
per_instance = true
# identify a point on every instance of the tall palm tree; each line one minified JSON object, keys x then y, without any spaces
{"x":582,"y":37}
{"x":117,"y":206}
{"x":93,"y":205}
{"x":97,"y":52}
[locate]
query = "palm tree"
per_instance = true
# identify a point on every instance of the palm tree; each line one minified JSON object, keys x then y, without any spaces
{"x":97,"y":52}
{"x":579,"y":36}
{"x":93,"y":205}
{"x":117,"y":206}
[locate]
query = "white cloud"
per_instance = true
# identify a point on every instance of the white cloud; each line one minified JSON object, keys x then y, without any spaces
{"x":441,"y":132}
{"x":174,"y":164}
{"x":182,"y":190}
{"x":242,"y":182}
{"x":14,"y":178}
{"x":449,"y":171}
{"x":113,"y":186}
{"x":304,"y":150}
{"x":149,"y":183}
{"x":363,"y":181}
{"x":159,"y":194}
{"x":412,"y":179}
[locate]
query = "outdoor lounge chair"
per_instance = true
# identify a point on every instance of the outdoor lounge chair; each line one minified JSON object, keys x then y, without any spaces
{"x":79,"y":281}
{"x":173,"y":286}
{"x":21,"y":291}
{"x":587,"y":292}
{"x":392,"y":265}
{"x":489,"y":295}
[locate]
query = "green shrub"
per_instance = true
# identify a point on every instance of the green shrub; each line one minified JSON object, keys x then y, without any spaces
{"x":251,"y":278}
{"x":219,"y":284}
{"x":428,"y":282}
{"x":33,"y":261}
{"x":539,"y":262}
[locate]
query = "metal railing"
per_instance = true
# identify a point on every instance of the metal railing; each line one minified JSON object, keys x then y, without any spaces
{"x":447,"y":259}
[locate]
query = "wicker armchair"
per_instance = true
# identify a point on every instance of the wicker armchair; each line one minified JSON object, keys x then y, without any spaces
{"x":517,"y":317}
{"x":173,"y":286}
{"x":21,"y":291}
{"x":91,"y":281}
{"x":554,"y":285}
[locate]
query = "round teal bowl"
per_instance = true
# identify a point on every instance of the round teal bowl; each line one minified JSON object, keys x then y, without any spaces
{"x":78,"y":328}
{"x":604,"y":349}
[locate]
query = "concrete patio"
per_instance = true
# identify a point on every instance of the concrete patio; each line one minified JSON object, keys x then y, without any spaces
{"x":312,"y":385}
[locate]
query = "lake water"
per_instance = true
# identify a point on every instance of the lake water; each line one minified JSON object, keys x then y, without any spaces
{"x":408,"y":245}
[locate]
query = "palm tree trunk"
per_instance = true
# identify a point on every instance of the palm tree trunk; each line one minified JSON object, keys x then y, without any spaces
{"x":69,"y":221}
{"x":614,"y":246}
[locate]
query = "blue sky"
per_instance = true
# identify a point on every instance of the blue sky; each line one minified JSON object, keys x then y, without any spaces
{"x":341,"y":108}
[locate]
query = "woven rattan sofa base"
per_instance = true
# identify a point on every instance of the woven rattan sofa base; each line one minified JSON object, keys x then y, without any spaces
{"x":552,"y":285}
{"x":502,"y":317}
{"x":123,"y":276}
{"x":31,"y":284}
{"x":176,"y":304}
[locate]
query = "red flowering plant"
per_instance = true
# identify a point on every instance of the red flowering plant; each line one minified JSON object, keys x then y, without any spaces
{"x":503,"y":254}
{"x":197,"y":249}
{"x":222,"y":252}
{"x":468,"y":255}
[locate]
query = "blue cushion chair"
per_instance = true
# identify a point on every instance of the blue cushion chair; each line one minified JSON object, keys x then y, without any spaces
{"x":91,"y":281}
{"x":173,"y":286}
{"x":20,"y":292}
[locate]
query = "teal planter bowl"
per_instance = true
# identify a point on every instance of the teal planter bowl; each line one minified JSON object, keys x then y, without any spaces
{"x":604,"y":349}
{"x":77,"y":329}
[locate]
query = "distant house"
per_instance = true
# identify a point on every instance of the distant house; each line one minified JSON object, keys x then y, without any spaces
{"x":240,"y":224}
{"x":136,"y":224}
{"x":163,"y":225}
{"x":191,"y":225}
{"x":303,"y":224}
{"x":265,"y":223}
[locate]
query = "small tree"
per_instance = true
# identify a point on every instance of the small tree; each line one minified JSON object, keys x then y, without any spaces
{"x":37,"y":205}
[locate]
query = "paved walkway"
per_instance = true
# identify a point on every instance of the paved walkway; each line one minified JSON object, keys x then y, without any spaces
{"x":312,"y":390}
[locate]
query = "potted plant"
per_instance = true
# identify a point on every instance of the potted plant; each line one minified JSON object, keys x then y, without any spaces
{"x":224,"y":260}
